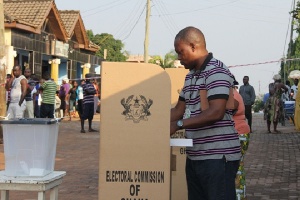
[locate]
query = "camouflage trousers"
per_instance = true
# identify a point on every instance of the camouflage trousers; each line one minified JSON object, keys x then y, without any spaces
{"x":240,"y":180}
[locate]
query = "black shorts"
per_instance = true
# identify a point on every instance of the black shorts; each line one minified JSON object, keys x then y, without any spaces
{"x":88,"y":111}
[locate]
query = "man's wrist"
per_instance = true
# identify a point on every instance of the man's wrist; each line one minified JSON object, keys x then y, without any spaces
{"x":179,"y":124}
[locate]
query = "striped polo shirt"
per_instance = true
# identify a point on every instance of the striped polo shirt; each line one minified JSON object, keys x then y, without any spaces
{"x":219,"y":139}
{"x":49,"y":92}
{"x":87,"y":98}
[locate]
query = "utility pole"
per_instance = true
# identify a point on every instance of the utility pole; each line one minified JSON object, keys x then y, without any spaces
{"x":2,"y":62}
{"x":146,"y":43}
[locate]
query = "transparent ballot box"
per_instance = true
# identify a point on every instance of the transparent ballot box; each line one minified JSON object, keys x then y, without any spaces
{"x":29,"y":146}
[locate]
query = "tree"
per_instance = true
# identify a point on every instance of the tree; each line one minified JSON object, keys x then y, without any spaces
{"x":294,"y":46}
{"x":170,"y":59}
{"x":107,"y":41}
{"x":167,"y":62}
{"x":258,"y":105}
{"x":157,"y":60}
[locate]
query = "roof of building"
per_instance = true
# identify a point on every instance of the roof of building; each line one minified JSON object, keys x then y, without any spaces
{"x":75,"y":27}
{"x":31,"y":15}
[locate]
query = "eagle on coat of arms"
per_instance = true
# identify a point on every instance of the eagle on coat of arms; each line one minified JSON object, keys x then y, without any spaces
{"x":136,"y":108}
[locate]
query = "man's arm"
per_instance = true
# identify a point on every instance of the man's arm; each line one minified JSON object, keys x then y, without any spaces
{"x":176,"y":114}
{"x":9,"y":83}
{"x":214,"y":113}
{"x":24,"y":87}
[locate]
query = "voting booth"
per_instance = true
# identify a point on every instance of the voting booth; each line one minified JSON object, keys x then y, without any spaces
{"x":135,"y":153}
{"x":178,"y":180}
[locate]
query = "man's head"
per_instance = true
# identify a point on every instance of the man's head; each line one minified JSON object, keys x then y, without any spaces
{"x":88,"y":77}
{"x":27,"y":73}
{"x":8,"y":76}
{"x":190,"y":46}
{"x":296,"y":81}
{"x":65,"y":80}
{"x":246,"y":80}
{"x":17,"y":71}
{"x":46,"y":76}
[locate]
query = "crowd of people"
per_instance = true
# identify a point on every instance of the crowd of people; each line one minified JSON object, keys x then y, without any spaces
{"x":27,"y":96}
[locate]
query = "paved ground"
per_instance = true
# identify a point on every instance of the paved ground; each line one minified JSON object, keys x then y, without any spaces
{"x":272,"y":163}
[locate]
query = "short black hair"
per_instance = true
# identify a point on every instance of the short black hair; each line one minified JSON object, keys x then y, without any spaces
{"x":46,"y":75}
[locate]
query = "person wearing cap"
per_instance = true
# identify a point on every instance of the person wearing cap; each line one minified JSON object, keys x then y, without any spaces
{"x":273,"y":110}
{"x":243,"y":130}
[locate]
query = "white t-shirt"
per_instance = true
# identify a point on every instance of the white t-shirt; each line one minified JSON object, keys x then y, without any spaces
{"x":295,"y":88}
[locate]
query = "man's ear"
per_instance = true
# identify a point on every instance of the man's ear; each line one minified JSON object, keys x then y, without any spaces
{"x":192,"y":45}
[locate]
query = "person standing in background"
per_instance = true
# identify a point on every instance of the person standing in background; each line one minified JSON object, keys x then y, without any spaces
{"x":273,"y":110}
{"x":88,"y":103}
{"x":294,"y":89}
{"x":79,"y":98}
{"x":18,"y":86}
{"x":96,"y":96}
{"x":48,"y":97}
{"x":72,"y":99}
{"x":286,"y":96}
{"x":29,"y":112}
{"x":37,"y":97}
{"x":248,"y":94}
{"x":243,"y":130}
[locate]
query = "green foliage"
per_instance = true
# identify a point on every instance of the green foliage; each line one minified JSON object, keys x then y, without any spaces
{"x":107,"y":41}
{"x":157,"y":60}
{"x":169,"y":59}
{"x":258,"y":105}
{"x":90,"y":35}
{"x":294,"y":46}
{"x":167,"y":62}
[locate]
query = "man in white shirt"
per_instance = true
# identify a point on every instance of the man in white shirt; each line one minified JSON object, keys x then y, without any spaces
{"x":294,"y":89}
{"x":18,"y":85}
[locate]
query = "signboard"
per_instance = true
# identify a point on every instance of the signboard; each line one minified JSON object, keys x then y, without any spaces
{"x":134,"y":158}
{"x":59,"y":48}
{"x":178,"y":180}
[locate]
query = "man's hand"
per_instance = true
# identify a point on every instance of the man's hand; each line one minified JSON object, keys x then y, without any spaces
{"x":20,"y":103}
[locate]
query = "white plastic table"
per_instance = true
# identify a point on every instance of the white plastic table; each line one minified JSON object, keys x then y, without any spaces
{"x":39,"y":184}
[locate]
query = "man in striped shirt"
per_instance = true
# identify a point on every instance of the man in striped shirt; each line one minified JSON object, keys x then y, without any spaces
{"x":212,"y":162}
{"x":48,"y":97}
{"x":88,"y":103}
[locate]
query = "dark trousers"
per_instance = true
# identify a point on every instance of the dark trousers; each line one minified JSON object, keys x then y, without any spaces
{"x":248,"y":114}
{"x":211,"y":179}
{"x":47,"y":110}
{"x":37,"y":109}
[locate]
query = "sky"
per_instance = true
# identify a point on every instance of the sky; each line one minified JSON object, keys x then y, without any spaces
{"x":237,"y":32}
